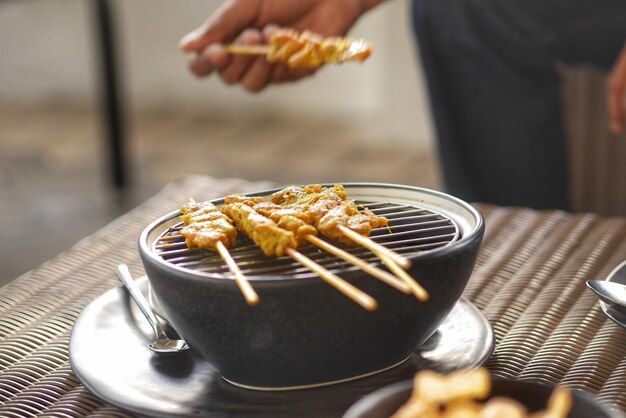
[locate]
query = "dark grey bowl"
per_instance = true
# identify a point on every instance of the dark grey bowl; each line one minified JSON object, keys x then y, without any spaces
{"x":384,"y":402}
{"x":303,"y":332}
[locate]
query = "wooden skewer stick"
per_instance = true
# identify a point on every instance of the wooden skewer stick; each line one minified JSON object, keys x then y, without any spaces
{"x":244,"y":285}
{"x":248,"y":49}
{"x":366,"y":267}
{"x":376,"y":248}
{"x":419,"y":292}
{"x":357,"y":295}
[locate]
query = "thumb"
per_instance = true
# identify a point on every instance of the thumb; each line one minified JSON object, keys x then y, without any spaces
{"x":222,"y":26}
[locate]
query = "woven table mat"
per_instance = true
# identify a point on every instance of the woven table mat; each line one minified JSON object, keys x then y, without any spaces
{"x":529,"y":282}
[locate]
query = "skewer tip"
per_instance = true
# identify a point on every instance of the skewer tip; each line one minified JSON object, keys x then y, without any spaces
{"x":252,"y":301}
{"x":416,"y":289}
{"x":370,"y":305}
{"x":357,"y":295}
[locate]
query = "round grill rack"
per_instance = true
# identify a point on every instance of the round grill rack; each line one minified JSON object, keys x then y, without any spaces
{"x":411,"y":230}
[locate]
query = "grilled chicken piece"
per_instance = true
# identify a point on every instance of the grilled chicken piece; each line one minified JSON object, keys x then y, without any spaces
{"x":361,"y":223}
{"x":295,"y":195}
{"x":308,"y":195}
{"x":194,"y":209}
{"x":283,"y":44}
{"x":206,"y":226}
{"x":297,"y":212}
{"x":310,"y":50}
{"x":294,"y":219}
{"x":329,"y":208}
{"x":264,"y":232}
{"x":240,"y":198}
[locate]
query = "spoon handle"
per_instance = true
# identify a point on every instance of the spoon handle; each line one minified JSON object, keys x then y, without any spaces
{"x":123,"y":273}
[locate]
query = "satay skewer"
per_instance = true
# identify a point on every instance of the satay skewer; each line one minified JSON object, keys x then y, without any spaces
{"x":306,"y":49}
{"x":207,"y":227}
{"x":354,"y":293}
{"x":300,"y":222}
{"x":333,"y":211}
{"x":276,"y":241}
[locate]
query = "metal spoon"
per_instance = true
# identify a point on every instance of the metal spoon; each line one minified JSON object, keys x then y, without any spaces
{"x":612,"y":291}
{"x":614,"y":294}
{"x":163,"y":344}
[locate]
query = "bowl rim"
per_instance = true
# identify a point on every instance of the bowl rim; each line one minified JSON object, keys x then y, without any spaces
{"x":476,"y":232}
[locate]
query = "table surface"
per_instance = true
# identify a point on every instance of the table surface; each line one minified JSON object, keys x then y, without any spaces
{"x":529,"y":282}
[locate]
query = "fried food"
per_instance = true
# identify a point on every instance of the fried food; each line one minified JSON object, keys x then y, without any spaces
{"x":457,"y":395}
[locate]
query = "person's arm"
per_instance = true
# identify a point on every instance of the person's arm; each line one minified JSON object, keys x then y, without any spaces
{"x":253,"y":22}
{"x":616,"y":94}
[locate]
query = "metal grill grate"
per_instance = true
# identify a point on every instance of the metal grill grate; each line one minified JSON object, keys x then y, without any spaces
{"x":411,"y":229}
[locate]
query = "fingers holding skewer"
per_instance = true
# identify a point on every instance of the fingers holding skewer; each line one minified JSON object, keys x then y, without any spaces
{"x":238,"y":65}
{"x":256,"y":58}
{"x":234,"y":62}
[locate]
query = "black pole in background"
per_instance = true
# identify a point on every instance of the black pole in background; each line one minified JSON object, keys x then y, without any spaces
{"x":110,"y":95}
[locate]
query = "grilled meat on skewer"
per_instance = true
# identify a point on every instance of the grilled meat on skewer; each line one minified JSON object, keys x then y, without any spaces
{"x":295,"y":219}
{"x":307,"y":195}
{"x":310,"y":50}
{"x":294,"y":214}
{"x":276,"y":241}
{"x":306,"y":49}
{"x":361,"y":223}
{"x":280,"y":229}
{"x":205,"y":226}
{"x":339,"y":219}
{"x":329,"y":208}
{"x":263,"y":231}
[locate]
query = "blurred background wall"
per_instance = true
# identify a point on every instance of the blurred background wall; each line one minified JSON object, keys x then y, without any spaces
{"x":47,"y":57}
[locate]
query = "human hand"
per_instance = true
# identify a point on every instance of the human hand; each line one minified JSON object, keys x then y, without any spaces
{"x":253,"y":22}
{"x":616,"y":94}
